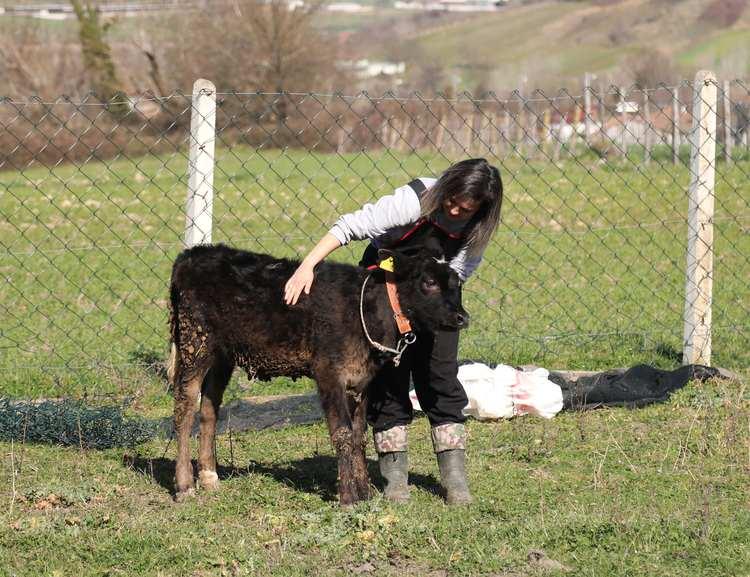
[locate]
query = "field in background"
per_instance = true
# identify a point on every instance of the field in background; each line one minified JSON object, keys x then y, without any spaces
{"x":500,"y":51}
{"x":586,"y":271}
{"x":553,"y":43}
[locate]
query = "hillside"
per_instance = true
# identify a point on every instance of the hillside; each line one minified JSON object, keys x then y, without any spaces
{"x":552,"y":43}
{"x":527,"y":44}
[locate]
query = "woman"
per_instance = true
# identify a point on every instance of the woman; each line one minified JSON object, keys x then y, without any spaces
{"x":461,"y":210}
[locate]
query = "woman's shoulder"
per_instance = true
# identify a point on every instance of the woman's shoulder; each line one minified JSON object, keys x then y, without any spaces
{"x":422,"y":183}
{"x":417,"y":186}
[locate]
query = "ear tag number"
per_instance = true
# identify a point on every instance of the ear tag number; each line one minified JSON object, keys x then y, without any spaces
{"x":387,"y":264}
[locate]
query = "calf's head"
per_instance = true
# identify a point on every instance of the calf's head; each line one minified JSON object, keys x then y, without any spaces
{"x":428,"y":289}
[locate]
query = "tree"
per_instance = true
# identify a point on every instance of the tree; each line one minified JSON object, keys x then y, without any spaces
{"x":650,"y":67}
{"x":289,"y":51}
{"x":270,"y":46}
{"x":285,"y":42}
{"x":97,"y":56}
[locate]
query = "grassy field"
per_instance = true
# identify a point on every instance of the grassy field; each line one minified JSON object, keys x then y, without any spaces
{"x":718,"y":48}
{"x":587,"y":270}
{"x":656,"y":491}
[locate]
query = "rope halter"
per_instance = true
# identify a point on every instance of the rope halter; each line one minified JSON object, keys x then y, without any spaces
{"x":407,"y":336}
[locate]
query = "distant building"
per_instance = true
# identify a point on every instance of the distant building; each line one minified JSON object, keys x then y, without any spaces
{"x":371,"y":69}
{"x":366,"y":69}
{"x":348,"y":7}
{"x":451,"y":5}
{"x":627,"y":107}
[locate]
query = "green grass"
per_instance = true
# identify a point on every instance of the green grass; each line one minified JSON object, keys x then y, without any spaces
{"x":713,"y":51}
{"x":338,"y":22}
{"x":586,"y":271}
{"x":504,"y":42}
{"x":655,"y":491}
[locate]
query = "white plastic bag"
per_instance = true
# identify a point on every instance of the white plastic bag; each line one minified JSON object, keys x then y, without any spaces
{"x":505,"y":392}
{"x":488,"y":390}
{"x":534,"y":393}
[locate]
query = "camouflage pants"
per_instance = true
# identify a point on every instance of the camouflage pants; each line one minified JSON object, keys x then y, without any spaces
{"x":448,"y":437}
{"x":444,"y":438}
{"x":391,"y":440}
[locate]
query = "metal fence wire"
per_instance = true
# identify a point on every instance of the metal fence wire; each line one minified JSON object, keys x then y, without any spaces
{"x":588,"y":268}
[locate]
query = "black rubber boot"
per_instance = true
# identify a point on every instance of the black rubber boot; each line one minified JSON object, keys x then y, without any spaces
{"x":395,"y":470}
{"x":453,"y":476}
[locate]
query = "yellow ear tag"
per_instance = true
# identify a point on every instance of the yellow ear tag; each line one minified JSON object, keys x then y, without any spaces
{"x":387,"y":264}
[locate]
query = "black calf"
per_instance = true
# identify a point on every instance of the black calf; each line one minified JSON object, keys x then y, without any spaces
{"x":227,"y":310}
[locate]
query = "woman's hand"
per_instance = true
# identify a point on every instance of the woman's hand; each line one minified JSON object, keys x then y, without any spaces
{"x":302,"y":279}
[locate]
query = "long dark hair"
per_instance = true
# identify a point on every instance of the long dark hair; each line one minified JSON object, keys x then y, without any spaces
{"x":477,"y":179}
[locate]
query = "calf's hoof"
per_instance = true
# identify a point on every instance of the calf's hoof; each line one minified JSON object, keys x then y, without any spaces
{"x":364,"y":493}
{"x":183,"y":495}
{"x":208,"y":480}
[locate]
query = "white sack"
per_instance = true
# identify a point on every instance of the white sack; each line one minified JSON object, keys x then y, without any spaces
{"x":505,"y":392}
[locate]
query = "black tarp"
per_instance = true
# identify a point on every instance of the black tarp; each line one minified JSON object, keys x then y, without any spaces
{"x":636,"y":386}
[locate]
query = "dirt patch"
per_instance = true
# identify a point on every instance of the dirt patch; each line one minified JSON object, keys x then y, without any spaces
{"x":260,"y":413}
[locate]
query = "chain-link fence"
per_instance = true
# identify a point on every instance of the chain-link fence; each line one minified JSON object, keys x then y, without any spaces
{"x":587,"y":270}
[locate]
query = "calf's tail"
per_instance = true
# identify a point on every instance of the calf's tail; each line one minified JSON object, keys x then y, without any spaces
{"x":174,"y":334}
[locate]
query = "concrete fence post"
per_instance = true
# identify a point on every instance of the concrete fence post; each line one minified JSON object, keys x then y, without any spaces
{"x":199,"y":211}
{"x":727,"y":105}
{"x":521,"y":126}
{"x":507,"y":136}
{"x":647,"y":127}
{"x":587,"y":108}
{"x":699,"y":285}
{"x":602,"y":113}
{"x":623,"y":121}
{"x":676,"y":125}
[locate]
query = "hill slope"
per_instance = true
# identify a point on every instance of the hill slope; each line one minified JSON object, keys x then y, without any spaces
{"x":552,"y":43}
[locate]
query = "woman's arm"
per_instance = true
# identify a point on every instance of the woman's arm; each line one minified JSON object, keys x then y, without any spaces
{"x":302,"y":278}
{"x":375,"y":219}
{"x":370,"y":221}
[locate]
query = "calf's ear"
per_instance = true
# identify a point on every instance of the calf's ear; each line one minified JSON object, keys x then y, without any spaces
{"x":433,"y":248}
{"x":392,"y":261}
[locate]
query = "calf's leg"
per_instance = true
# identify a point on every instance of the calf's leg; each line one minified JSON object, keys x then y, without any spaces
{"x":358,"y":409}
{"x":187,"y":388}
{"x":336,"y":409}
{"x":214,"y":384}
